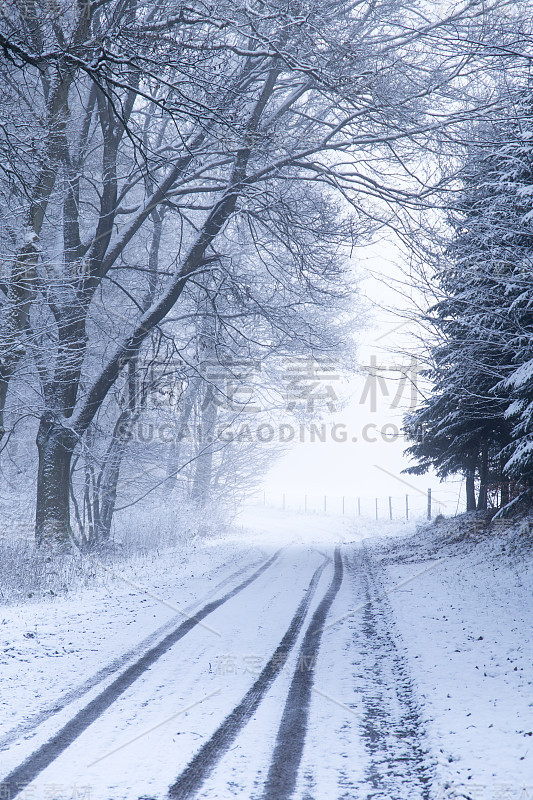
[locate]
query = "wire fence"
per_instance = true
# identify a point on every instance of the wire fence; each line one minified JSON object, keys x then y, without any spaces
{"x":407,"y":506}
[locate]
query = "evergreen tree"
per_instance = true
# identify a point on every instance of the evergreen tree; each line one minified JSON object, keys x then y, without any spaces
{"x":483,"y":319}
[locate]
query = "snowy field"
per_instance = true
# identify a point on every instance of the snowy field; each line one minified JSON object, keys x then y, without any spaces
{"x":400,"y":670}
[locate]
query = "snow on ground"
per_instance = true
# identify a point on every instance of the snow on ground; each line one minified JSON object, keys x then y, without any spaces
{"x":259,"y":524}
{"x":461,"y":611}
{"x":157,"y":724}
{"x":466,"y":625}
{"x":52,"y":645}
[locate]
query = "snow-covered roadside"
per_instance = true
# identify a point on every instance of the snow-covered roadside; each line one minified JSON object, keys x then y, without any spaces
{"x":50,"y":646}
{"x":466,"y":624}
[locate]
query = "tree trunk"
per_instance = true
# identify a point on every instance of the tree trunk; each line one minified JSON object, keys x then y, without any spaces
{"x":483,"y":478}
{"x":110,"y":472}
{"x":55,"y":445}
{"x":175,"y":451}
{"x":108,"y":478}
{"x":201,"y":488}
{"x":55,"y":441}
{"x":21,"y":284}
{"x":15,"y":319}
{"x":470,"y":490}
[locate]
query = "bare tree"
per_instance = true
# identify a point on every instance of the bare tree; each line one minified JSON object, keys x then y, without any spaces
{"x":235,"y":119}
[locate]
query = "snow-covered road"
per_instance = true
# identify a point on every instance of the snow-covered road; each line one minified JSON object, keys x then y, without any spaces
{"x":294,"y":676}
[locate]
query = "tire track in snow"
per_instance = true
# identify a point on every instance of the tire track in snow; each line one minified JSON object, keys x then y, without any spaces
{"x":392,"y":728}
{"x":199,"y":768}
{"x":25,"y":773}
{"x":37,"y":719}
{"x":283,"y":772}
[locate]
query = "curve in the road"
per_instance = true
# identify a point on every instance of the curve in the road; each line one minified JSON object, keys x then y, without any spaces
{"x":21,"y":776}
{"x":194,"y":775}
